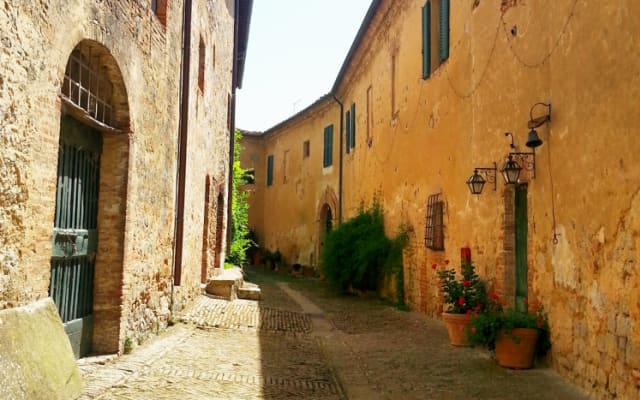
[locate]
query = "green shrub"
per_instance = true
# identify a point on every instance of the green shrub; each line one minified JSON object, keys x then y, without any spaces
{"x":357,"y":254}
{"x":241,"y":242}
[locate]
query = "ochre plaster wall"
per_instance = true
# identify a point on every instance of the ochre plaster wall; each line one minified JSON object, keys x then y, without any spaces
{"x":35,"y":46}
{"x":426,"y":136}
{"x":290,"y":221}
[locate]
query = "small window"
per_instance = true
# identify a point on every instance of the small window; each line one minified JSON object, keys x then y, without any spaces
{"x":434,"y":227}
{"x":435,"y":35}
{"x":159,"y":8}
{"x":213,"y":57}
{"x":352,"y":138}
{"x":327,"y":160}
{"x":285,"y":166}
{"x":347,"y":131}
{"x":249,"y":176}
{"x":306,"y":149}
{"x":269,"y":170}
{"x":201,"y":62}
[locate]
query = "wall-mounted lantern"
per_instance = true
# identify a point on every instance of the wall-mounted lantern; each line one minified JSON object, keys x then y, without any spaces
{"x":476,"y":181}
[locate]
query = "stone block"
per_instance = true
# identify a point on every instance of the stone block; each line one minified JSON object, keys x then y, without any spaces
{"x":633,"y":355}
{"x":249,"y":292}
{"x":36,"y":359}
{"x":622,"y":325}
{"x":226,"y":284}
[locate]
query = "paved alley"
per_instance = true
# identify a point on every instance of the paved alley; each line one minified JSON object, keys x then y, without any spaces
{"x":303,"y":342}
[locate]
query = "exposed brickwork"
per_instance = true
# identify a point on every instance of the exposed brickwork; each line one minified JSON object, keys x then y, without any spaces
{"x":141,"y":53}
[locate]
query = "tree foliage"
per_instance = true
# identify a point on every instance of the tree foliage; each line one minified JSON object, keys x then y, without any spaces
{"x":240,"y":240}
{"x":357,"y":254}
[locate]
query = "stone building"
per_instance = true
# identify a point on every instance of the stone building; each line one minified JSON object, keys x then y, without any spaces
{"x":425,"y":96}
{"x":114,"y":157}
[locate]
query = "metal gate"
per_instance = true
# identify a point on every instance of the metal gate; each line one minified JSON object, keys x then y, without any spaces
{"x":74,"y":234}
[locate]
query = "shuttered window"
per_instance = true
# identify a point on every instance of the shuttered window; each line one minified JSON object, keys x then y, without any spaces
{"x":443,"y":44}
{"x":269,"y":170}
{"x":426,"y":40}
{"x":353,"y":126}
{"x":347,"y":133}
{"x":435,"y":35}
{"x":327,"y":160}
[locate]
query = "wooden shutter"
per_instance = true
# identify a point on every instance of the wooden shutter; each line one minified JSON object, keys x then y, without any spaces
{"x":328,"y":146}
{"x":347,"y":131}
{"x":426,"y":40}
{"x":353,"y":125}
{"x":443,"y":46}
{"x":269,"y":170}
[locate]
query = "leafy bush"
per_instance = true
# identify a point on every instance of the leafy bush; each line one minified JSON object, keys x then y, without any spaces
{"x":240,"y":240}
{"x":358,"y":253}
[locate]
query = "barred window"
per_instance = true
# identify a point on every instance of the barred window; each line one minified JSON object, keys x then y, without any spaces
{"x":434,"y":227}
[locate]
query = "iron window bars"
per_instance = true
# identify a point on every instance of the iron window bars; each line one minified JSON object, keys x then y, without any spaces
{"x":434,"y":225}
{"x":87,"y":85}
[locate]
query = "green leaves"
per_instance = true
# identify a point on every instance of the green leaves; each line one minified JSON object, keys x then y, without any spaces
{"x":357,"y":254}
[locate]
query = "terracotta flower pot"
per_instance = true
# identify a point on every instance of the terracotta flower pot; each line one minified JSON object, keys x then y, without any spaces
{"x":517,"y":349}
{"x":458,"y":328}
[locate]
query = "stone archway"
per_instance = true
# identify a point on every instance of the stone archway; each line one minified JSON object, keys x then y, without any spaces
{"x":326,"y":218}
{"x":91,"y":193}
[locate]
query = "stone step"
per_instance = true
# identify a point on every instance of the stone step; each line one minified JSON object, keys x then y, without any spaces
{"x":249,"y":291}
{"x":226,"y":284}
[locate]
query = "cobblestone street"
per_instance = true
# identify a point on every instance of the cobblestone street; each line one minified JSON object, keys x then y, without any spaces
{"x":303,"y":342}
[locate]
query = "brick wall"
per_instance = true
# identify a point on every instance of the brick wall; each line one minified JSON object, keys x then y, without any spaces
{"x":138,"y":173}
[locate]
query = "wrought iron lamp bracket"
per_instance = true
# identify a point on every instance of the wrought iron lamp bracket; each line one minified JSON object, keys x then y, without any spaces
{"x":489,"y":174}
{"x":527,"y":160}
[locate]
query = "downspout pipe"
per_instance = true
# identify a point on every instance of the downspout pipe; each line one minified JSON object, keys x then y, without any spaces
{"x":340,"y":158}
{"x":185,"y":66}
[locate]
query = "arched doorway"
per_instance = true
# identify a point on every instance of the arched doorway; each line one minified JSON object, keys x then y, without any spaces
{"x":326,"y":218}
{"x":219,"y":228}
{"x":86,"y":283}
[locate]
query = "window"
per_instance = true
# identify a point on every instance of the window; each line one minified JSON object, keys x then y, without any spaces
{"x":285,"y":163}
{"x":434,"y":227}
{"x":306,"y":149}
{"x":201,"y":62}
{"x":327,"y":160}
{"x":269,"y":170}
{"x":350,"y":128}
{"x":159,"y":8}
{"x":347,"y":132}
{"x":435,"y":35}
{"x":353,"y":126}
{"x":369,"y":117}
{"x":87,"y":85}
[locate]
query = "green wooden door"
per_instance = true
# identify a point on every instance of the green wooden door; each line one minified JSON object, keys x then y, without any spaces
{"x":75,"y":236}
{"x":521,"y":246}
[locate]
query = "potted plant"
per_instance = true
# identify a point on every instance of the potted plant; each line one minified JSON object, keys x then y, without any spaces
{"x":516,"y":336}
{"x":461,"y":297}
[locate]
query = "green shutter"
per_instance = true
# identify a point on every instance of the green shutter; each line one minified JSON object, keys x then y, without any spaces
{"x":444,"y":30}
{"x":328,"y":146}
{"x":353,"y":125}
{"x":348,"y":131}
{"x":426,"y":40}
{"x":269,"y":170}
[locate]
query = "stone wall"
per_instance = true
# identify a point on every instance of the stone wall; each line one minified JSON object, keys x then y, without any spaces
{"x":417,"y":137}
{"x":135,"y":257}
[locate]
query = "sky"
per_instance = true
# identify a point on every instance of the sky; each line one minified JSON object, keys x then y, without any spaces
{"x":294,"y":53}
